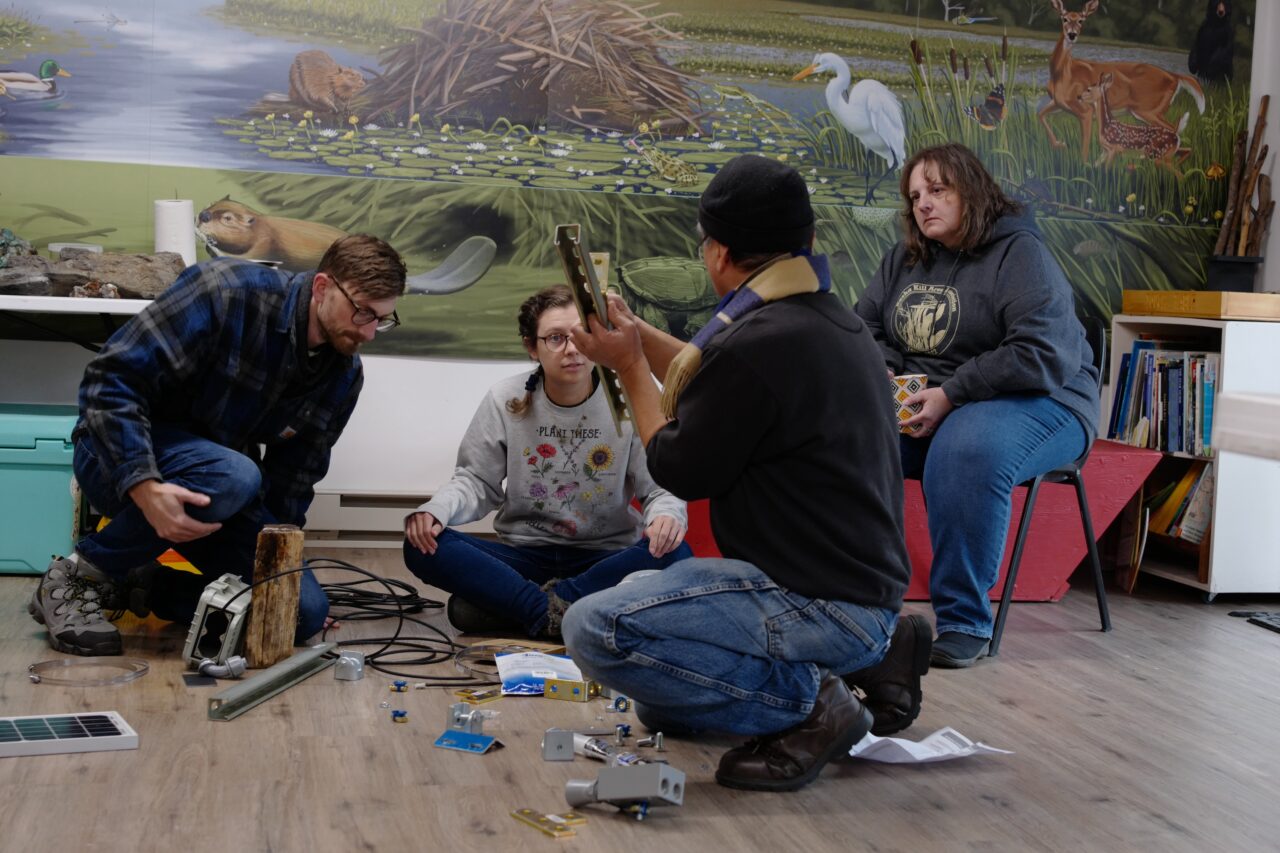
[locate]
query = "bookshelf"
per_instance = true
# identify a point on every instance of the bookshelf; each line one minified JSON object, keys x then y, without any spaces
{"x":1241,"y":550}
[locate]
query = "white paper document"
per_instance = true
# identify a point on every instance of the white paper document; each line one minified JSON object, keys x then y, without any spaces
{"x":942,"y":745}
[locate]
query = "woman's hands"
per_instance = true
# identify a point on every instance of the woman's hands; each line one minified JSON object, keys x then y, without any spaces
{"x":935,"y":407}
{"x":421,"y":529}
{"x":665,"y":535}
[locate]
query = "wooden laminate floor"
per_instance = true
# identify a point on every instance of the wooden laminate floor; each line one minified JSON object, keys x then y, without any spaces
{"x":1162,"y":735}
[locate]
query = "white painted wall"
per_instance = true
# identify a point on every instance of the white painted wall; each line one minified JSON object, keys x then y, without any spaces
{"x":403,"y":438}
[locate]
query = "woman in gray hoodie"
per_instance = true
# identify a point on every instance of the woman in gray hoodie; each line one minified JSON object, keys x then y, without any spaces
{"x":972,"y":298}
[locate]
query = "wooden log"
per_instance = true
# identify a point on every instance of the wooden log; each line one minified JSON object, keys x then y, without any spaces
{"x":1259,"y":225}
{"x":1245,"y":201}
{"x":1260,"y":228}
{"x":1246,"y":222}
{"x":273,"y":617}
{"x":1259,"y":125}
{"x":1233,"y":191}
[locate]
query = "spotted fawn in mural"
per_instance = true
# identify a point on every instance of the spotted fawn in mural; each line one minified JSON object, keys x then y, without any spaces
{"x":1158,"y":143}
{"x":1142,"y":90}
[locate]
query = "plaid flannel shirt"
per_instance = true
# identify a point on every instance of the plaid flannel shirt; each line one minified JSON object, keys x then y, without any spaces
{"x":217,"y":355}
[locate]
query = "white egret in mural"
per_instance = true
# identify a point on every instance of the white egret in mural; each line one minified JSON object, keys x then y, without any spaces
{"x":869,"y":111}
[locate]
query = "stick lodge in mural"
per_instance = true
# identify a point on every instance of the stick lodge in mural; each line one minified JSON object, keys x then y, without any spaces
{"x":462,"y":131}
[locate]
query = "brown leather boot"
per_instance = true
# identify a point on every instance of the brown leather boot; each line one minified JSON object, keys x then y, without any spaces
{"x":791,"y":759}
{"x":892,"y":687}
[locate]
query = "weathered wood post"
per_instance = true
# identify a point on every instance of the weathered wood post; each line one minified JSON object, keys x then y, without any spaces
{"x":273,"y":617}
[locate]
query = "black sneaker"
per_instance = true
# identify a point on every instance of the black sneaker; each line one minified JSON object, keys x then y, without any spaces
{"x":136,"y":593}
{"x":892,"y":687}
{"x":472,"y":619}
{"x":953,"y":650}
{"x":69,"y":602}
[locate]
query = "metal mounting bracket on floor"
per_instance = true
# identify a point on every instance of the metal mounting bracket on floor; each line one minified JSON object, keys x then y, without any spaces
{"x":235,"y":700}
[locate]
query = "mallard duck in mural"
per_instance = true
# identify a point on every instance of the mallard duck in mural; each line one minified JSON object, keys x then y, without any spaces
{"x":869,"y":111}
{"x":21,"y":84}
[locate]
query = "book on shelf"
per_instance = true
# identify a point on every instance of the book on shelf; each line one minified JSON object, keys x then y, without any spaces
{"x":1163,"y":398}
{"x":1167,"y":512}
{"x":1199,"y":509}
{"x":1209,"y":390}
{"x":1139,"y":548}
{"x":1118,"y":396}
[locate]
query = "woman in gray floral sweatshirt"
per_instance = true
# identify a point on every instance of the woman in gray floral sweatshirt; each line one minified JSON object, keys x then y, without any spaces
{"x":565,"y":520}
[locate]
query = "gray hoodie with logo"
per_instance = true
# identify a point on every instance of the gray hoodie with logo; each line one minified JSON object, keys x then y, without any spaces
{"x":997,"y":320}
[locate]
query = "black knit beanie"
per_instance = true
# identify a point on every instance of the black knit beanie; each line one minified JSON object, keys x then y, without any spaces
{"x":755,"y":204}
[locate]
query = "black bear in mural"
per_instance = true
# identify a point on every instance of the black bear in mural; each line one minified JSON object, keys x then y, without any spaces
{"x":1211,"y":52}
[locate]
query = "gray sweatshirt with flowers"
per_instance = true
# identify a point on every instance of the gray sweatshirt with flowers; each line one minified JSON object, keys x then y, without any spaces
{"x":569,"y":477}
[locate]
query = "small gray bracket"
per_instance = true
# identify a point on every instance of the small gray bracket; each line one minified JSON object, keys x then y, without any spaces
{"x":557,"y":745}
{"x":350,"y":666}
{"x":466,"y":718}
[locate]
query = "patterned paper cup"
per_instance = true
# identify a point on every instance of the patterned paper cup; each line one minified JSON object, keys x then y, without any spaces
{"x":903,"y":387}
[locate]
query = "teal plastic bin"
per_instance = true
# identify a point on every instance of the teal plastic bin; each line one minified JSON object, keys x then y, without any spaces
{"x":39,"y":514}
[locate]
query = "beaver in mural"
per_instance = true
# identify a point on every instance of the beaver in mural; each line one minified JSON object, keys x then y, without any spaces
{"x":231,"y":228}
{"x":317,"y":81}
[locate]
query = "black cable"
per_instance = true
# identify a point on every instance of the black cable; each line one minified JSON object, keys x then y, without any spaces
{"x":365,"y":605}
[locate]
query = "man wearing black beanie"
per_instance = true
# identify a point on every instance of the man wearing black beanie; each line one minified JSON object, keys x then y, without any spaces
{"x":779,"y":412}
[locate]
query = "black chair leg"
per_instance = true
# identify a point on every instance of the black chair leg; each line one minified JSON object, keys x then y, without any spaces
{"x":1099,"y":585}
{"x":1006,"y":595}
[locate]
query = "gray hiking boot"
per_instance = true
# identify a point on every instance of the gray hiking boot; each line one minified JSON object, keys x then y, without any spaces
{"x":69,"y":602}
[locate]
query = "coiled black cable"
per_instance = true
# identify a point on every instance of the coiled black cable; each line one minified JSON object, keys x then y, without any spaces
{"x":398,"y":601}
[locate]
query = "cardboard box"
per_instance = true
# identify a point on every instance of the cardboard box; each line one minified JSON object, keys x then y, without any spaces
{"x":1209,"y":304}
{"x":39,"y":514}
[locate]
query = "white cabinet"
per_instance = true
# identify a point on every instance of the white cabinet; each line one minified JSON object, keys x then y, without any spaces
{"x":1244,"y":543}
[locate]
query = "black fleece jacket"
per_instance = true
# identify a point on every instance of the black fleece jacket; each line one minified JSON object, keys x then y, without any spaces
{"x":788,"y":428}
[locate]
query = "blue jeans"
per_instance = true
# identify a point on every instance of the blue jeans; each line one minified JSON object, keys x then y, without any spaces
{"x":508,"y":579}
{"x":717,"y":644}
{"x":232,"y":482}
{"x":970,"y":466}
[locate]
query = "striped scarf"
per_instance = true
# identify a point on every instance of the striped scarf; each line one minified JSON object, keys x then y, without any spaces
{"x":782,"y":277}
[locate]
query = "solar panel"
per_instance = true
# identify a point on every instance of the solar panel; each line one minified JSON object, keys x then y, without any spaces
{"x":46,"y":735}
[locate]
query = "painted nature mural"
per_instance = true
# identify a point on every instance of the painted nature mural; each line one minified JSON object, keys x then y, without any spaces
{"x":463,"y":131}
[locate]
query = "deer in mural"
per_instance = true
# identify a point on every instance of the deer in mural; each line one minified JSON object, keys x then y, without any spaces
{"x":1141,"y":89}
{"x":1159,"y":143}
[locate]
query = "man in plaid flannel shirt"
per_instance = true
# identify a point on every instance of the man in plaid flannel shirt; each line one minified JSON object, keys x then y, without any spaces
{"x":209,"y":414}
